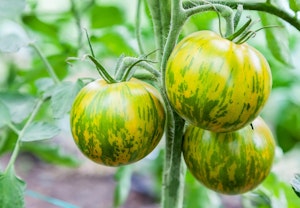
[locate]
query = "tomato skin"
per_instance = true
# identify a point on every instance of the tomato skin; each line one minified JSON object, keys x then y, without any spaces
{"x":230,"y":163}
{"x":117,"y":124}
{"x":216,"y":84}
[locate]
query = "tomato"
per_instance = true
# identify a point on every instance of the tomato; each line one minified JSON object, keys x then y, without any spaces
{"x":233,"y":162}
{"x":117,"y":124}
{"x":216,"y":84}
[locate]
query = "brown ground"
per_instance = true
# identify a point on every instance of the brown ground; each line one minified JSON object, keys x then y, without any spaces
{"x":89,"y":186}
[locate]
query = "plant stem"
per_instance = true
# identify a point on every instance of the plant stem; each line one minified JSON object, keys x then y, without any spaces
{"x":128,"y":61}
{"x":174,"y":168}
{"x":256,"y":6}
{"x":13,"y":128}
{"x":178,"y":18}
{"x":138,"y":27}
{"x":161,"y":21}
{"x":76,"y":15}
{"x":16,"y":150}
{"x":225,"y":11}
{"x":174,"y":171}
{"x":102,"y":71}
{"x":48,"y":66}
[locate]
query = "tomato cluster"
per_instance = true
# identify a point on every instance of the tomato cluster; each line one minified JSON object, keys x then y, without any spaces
{"x":220,"y":87}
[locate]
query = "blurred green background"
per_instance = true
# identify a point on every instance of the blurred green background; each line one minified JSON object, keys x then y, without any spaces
{"x":57,"y":28}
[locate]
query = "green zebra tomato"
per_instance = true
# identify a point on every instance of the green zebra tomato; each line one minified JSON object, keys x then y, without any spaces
{"x":232,"y":162}
{"x":216,"y":84}
{"x":117,"y":124}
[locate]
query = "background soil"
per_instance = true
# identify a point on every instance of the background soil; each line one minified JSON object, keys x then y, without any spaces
{"x":88,"y":186}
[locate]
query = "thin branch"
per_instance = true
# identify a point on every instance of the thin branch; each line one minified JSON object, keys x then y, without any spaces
{"x":128,"y":61}
{"x":138,"y":27}
{"x":225,"y":11}
{"x":16,"y":150}
{"x":256,"y":6}
{"x":48,"y":66}
{"x":76,"y":15}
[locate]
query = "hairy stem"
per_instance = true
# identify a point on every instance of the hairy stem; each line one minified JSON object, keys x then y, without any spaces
{"x":129,"y":61}
{"x":256,"y":6}
{"x":138,"y":27}
{"x":174,"y":175}
{"x":178,"y":18}
{"x":16,"y":150}
{"x":173,"y":178}
{"x":161,"y":22}
{"x":225,"y":11}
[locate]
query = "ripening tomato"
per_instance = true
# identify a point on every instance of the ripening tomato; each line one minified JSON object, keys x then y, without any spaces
{"x":119,"y":123}
{"x":233,"y":162}
{"x":216,"y":84}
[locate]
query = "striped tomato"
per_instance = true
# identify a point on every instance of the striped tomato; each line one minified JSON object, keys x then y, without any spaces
{"x":230,"y":163}
{"x":117,"y":124}
{"x":216,"y":84}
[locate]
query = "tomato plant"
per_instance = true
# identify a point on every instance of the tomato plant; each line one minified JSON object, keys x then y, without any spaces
{"x":118,"y":123}
{"x":43,"y":67}
{"x":215,"y":83}
{"x":233,"y":162}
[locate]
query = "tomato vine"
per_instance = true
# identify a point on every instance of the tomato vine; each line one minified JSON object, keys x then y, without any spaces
{"x":168,"y":17}
{"x":172,"y":194}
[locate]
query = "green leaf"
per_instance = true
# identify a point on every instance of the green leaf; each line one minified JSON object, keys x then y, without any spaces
{"x":50,"y":153}
{"x":63,"y":97}
{"x":20,"y":105}
{"x":39,"y":131}
{"x":12,"y":190}
{"x":5,"y":115}
{"x":296,"y":184}
{"x":294,"y":5}
{"x":7,"y":140}
{"x":32,"y":21}
{"x":123,"y":179}
{"x":45,"y":86}
{"x":277,"y":39}
{"x":273,"y":192}
{"x":106,"y":16}
{"x":11,"y":8}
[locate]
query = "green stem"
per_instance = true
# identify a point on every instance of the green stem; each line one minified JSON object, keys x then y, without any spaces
{"x":161,"y":15}
{"x":178,"y":18}
{"x":240,"y":31}
{"x":225,"y":11}
{"x":16,"y":150}
{"x":102,"y":71}
{"x":76,"y":15}
{"x":129,"y":61}
{"x":237,"y":16}
{"x":138,"y":27}
{"x":256,"y":6}
{"x":13,"y":128}
{"x":48,"y":66}
{"x":129,"y":70}
{"x":173,"y":176}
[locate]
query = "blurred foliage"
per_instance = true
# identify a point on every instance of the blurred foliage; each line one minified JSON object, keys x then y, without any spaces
{"x":57,"y":30}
